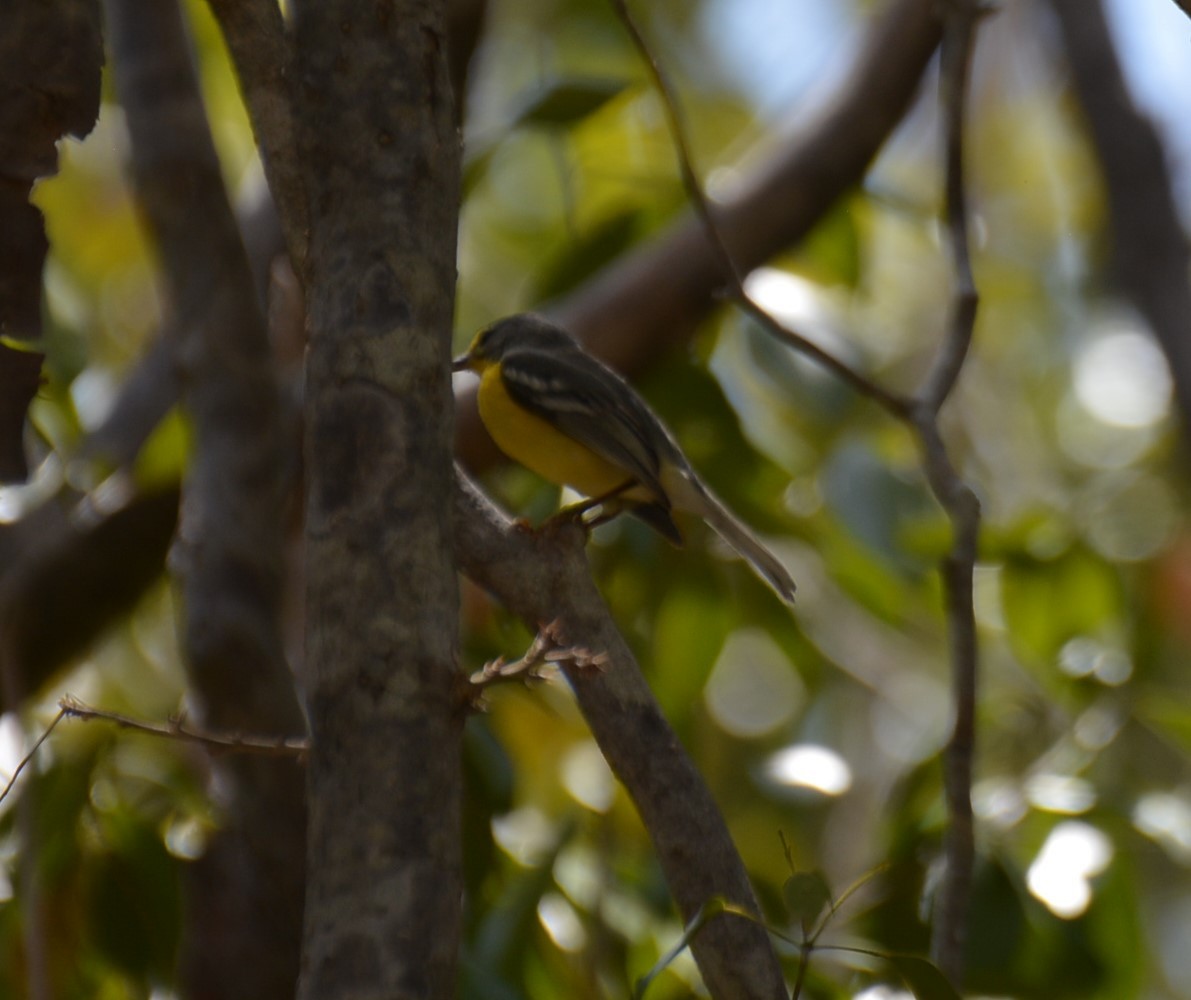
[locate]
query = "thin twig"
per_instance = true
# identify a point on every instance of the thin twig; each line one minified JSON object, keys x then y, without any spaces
{"x":702,"y":205}
{"x":804,"y":964}
{"x":897,"y":406}
{"x":176,"y":729}
{"x":548,"y":649}
{"x":921,"y":414}
{"x":10,"y":784}
{"x":957,"y":499}
{"x":678,"y":134}
{"x":953,"y":84}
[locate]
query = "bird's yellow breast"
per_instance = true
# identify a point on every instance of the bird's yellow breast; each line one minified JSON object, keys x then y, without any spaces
{"x":542,"y":448}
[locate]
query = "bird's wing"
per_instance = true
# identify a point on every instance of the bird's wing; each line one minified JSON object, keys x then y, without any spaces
{"x":588,"y":402}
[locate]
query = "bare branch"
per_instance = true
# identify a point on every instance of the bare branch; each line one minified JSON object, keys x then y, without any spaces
{"x":957,"y":54}
{"x":543,"y":576}
{"x":546,"y":651}
{"x":949,"y":925}
{"x":895,"y":404}
{"x":177,"y":729}
{"x":262,"y":53}
{"x":731,"y":277}
{"x":24,"y":761}
{"x":729,"y":273}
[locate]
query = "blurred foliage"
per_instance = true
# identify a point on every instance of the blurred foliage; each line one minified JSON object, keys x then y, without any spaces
{"x":823,"y":726}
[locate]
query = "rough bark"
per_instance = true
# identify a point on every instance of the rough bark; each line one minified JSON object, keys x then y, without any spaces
{"x":382,"y":155}
{"x":50,"y":58}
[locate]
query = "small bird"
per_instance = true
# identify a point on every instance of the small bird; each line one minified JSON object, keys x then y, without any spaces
{"x":551,"y":406}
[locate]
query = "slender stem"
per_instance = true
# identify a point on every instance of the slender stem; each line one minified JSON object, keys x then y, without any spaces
{"x":177,"y":729}
{"x":957,"y":499}
{"x":733,"y":279}
{"x":24,"y":762}
{"x":921,"y":414}
{"x":953,"y":84}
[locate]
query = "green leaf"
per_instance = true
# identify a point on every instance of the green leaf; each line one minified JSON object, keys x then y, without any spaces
{"x":806,"y":895}
{"x":564,"y":102}
{"x":923,"y":978}
{"x":22,"y":344}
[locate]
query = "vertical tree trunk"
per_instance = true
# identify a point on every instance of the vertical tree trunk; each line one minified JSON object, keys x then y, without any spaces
{"x":384,"y":881}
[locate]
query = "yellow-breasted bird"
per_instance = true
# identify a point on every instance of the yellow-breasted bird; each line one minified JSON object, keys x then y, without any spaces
{"x":554,"y":408}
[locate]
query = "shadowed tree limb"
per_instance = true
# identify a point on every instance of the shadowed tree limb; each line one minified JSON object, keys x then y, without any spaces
{"x":261,"y":50}
{"x":1150,"y":255}
{"x":51,"y":54}
{"x":69,"y":573}
{"x":544,"y":578}
{"x":242,"y":936}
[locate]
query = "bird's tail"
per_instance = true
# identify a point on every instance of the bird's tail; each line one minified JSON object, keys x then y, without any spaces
{"x":699,"y":500}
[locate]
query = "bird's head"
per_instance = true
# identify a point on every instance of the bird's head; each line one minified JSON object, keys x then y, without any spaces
{"x":524,"y":331}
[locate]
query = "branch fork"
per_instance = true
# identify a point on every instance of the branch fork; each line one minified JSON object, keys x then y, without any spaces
{"x":546,"y":655}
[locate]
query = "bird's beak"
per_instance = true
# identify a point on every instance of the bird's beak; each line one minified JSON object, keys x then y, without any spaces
{"x":461,"y":363}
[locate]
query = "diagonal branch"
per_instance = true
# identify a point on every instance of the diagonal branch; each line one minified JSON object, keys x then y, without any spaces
{"x":729,"y":272}
{"x":544,"y":577}
{"x":262,"y":53}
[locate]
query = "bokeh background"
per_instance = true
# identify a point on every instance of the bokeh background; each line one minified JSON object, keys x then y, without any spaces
{"x":818,"y":730}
